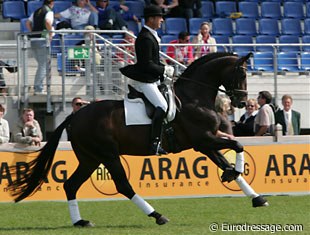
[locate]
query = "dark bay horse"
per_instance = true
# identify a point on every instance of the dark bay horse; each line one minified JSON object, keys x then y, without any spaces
{"x":100,"y":135}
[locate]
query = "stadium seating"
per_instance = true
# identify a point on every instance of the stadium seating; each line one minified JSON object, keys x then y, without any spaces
{"x":289,"y":39}
{"x":271,"y":10}
{"x":263,"y":61}
{"x":225,"y":8}
{"x":287,"y":61}
{"x":308,"y":9}
{"x":240,"y":39}
{"x":23,"y":28}
{"x":306,"y":39}
{"x":60,"y":6}
{"x":291,"y":27}
{"x":222,"y":26}
{"x":307,"y":25}
{"x":268,"y":27}
{"x":194,"y":25}
{"x":222,"y":39}
{"x":136,"y":7}
{"x":249,"y":9}
{"x":133,"y":26}
{"x":32,"y":6}
{"x":265,"y":39}
{"x":293,"y":10}
{"x":207,"y":10}
{"x":175,"y":25}
{"x":305,"y":61}
{"x":15,"y":10}
{"x":167,"y":39}
{"x":246,"y":26}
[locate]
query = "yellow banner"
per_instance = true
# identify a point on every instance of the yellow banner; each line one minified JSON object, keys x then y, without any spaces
{"x":270,"y":169}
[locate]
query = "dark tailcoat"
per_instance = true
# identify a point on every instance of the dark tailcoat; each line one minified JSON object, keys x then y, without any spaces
{"x":280,"y":118}
{"x":148,"y":67}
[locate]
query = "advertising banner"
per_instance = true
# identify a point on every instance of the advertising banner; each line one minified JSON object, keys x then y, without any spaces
{"x":270,"y":169}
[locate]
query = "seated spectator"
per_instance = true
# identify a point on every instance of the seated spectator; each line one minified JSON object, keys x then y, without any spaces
{"x":27,"y":130}
{"x":4,"y":127}
{"x":125,"y":12}
{"x":183,"y":54}
{"x":121,"y":57}
{"x":168,"y":7}
{"x":109,"y":19}
{"x":205,"y":38}
{"x":81,"y":14}
{"x":189,"y":9}
{"x":245,"y":126}
{"x":265,"y":119}
{"x":288,"y":118}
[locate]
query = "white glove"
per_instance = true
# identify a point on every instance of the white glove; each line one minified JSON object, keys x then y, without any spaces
{"x":169,"y":71}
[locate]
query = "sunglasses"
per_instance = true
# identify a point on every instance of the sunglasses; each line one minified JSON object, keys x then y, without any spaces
{"x":250,"y":105}
{"x":79,"y":104}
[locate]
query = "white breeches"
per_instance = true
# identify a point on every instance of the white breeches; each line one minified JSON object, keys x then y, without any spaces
{"x":151,"y":92}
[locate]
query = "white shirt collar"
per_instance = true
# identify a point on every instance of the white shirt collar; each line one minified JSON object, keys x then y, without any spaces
{"x":154,"y":32}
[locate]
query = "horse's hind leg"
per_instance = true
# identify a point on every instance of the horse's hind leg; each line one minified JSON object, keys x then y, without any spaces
{"x":72,"y":185}
{"x":123,"y":186}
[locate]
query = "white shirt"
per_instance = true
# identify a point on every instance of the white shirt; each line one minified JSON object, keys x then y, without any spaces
{"x":154,"y":32}
{"x":77,"y":15}
{"x":4,"y":131}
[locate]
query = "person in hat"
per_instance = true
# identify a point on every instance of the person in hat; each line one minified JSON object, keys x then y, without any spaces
{"x":148,"y":72}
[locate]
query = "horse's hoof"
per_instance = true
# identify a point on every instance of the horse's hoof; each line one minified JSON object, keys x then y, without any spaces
{"x":84,"y":223}
{"x":259,"y":201}
{"x":229,"y":175}
{"x":162,"y":220}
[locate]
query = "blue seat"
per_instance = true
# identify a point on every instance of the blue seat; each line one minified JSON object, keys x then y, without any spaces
{"x":167,"y":39}
{"x":207,"y":10}
{"x":260,"y":39}
{"x":271,"y":10}
{"x":222,"y":39}
{"x":246,"y":26}
{"x":305,"y":61}
{"x":240,"y":39}
{"x":194,"y":25}
{"x":293,"y":10}
{"x":308,"y":9}
{"x":287,"y":61}
{"x":175,"y":25}
{"x":263,"y":61}
{"x":268,"y":27}
{"x":225,"y":8}
{"x":60,"y":6}
{"x":32,"y":6}
{"x":15,"y":10}
{"x":136,"y":7}
{"x":307,"y":26}
{"x":249,"y":9}
{"x":23,"y":28}
{"x":306,"y":39}
{"x":291,"y":27}
{"x":133,"y":26}
{"x":289,"y":39}
{"x":222,"y":26}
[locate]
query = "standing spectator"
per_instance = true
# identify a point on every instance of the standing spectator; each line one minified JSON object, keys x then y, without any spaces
{"x":245,"y":126}
{"x":288,"y":118}
{"x":76,"y":103}
{"x":108,"y":18}
{"x":81,"y":14}
{"x":205,"y":38}
{"x":169,"y":8}
{"x":41,"y":20}
{"x":183,"y":54}
{"x":4,"y":127}
{"x":265,"y":119}
{"x":189,"y":9}
{"x":27,"y":130}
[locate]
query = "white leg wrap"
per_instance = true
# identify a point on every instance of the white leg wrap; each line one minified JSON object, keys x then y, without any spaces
{"x":74,"y":211}
{"x":142,"y":204}
{"x":239,"y":162}
{"x":245,"y":187}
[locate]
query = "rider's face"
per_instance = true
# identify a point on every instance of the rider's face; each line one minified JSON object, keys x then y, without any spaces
{"x":155,"y":22}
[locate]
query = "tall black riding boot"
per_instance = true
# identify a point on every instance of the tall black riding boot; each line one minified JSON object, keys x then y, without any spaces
{"x":157,"y":122}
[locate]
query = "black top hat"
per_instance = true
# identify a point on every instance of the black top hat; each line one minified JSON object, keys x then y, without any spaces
{"x":152,"y":10}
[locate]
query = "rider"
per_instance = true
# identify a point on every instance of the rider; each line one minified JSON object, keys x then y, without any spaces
{"x":148,"y":72}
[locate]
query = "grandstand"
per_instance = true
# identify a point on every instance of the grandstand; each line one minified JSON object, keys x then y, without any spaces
{"x":262,"y":26}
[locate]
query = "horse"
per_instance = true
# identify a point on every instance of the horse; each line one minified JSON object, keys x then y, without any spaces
{"x":100,"y":135}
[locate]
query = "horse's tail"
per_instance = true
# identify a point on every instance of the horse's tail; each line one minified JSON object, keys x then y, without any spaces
{"x":38,"y":168}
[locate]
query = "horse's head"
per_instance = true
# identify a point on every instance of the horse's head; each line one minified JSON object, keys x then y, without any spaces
{"x":236,"y":82}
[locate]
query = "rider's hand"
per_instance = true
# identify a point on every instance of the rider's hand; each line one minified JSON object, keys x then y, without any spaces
{"x":169,"y":71}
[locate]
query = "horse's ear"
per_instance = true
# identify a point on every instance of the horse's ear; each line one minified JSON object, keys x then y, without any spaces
{"x":243,"y":59}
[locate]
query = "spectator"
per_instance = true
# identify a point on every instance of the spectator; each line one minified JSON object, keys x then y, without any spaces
{"x":169,"y":8}
{"x":183,"y":54}
{"x":288,"y":118}
{"x":128,"y":39}
{"x":108,"y":18}
{"x":9,"y":67}
{"x":4,"y":127}
{"x":41,"y":20}
{"x":205,"y":38}
{"x":27,"y":130}
{"x":245,"y":126}
{"x":189,"y":8}
{"x":125,"y":12}
{"x":81,"y":14}
{"x":76,"y":103}
{"x":265,"y":119}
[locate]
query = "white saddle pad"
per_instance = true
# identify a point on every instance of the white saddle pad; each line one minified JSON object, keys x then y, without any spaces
{"x":135,"y":113}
